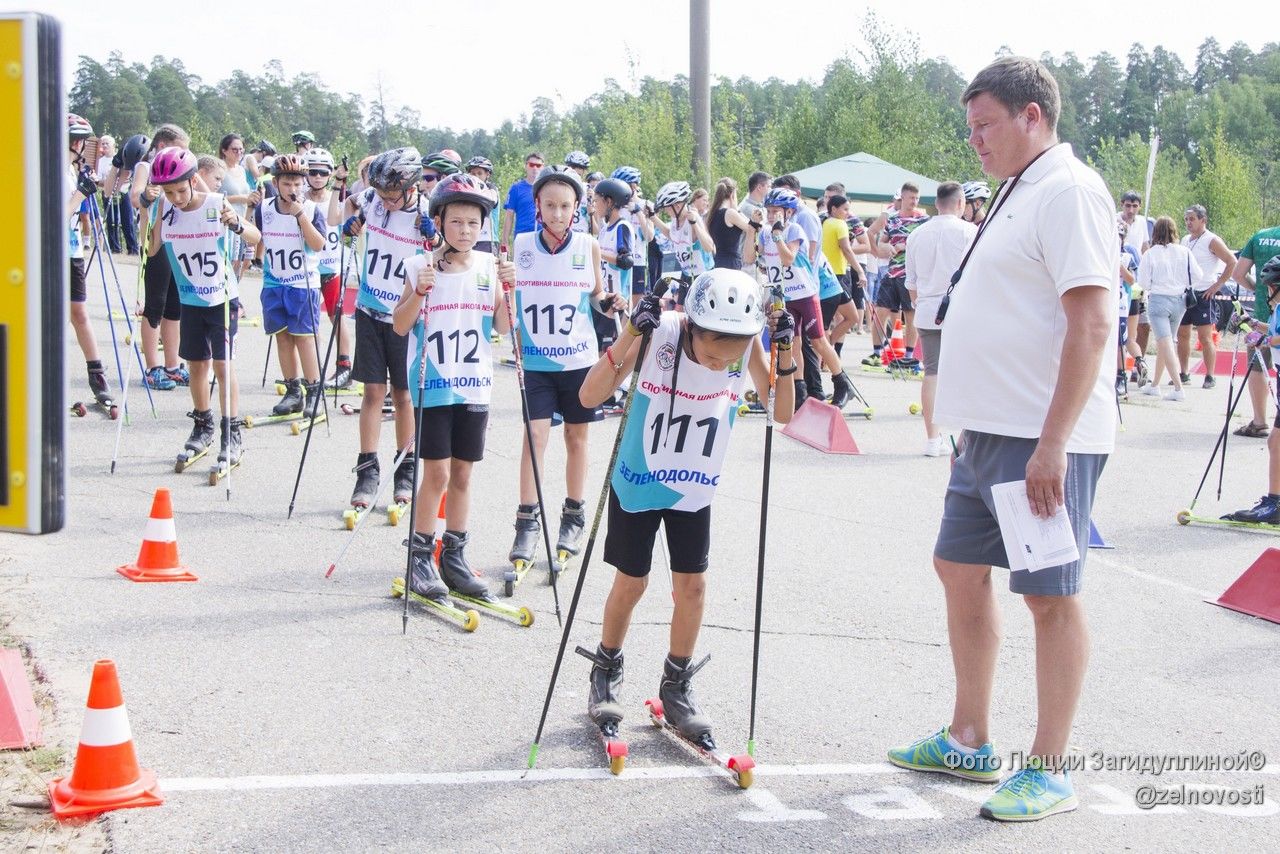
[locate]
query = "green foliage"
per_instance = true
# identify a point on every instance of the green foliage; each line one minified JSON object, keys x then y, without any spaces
{"x":1219,"y":120}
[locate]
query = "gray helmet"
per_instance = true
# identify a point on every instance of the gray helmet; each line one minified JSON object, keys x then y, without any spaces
{"x":578,"y":159}
{"x":397,"y":169}
{"x":133,"y":150}
{"x":1270,"y":274}
{"x":561,"y":174}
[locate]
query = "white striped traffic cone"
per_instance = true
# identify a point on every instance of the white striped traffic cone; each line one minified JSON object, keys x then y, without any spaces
{"x":158,"y":557}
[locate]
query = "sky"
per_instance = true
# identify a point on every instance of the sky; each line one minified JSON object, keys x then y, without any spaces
{"x":496,"y":57}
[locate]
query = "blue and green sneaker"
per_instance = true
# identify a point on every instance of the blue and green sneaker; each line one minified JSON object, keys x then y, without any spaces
{"x":1030,"y":795}
{"x":935,"y":753}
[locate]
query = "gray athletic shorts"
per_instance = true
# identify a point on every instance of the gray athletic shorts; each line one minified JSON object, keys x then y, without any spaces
{"x":969,"y":532}
{"x":931,"y":342}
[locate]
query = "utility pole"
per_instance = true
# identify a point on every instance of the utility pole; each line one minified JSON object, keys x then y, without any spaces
{"x":700,"y":86}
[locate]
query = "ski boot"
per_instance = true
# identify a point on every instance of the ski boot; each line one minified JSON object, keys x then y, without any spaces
{"x":572,"y":523}
{"x":401,"y":490}
{"x":292,"y":400}
{"x":602,"y":702}
{"x":843,"y":391}
{"x":1265,"y":512}
{"x":98,"y":385}
{"x":230,"y":449}
{"x":1122,"y":384}
{"x":423,"y":578}
{"x":528,"y":527}
{"x":199,"y":442}
{"x":367,"y":479}
{"x":455,"y":570}
{"x":312,"y":398}
{"x":802,"y":392}
{"x":676,"y":695}
{"x":341,"y":374}
{"x":180,"y":375}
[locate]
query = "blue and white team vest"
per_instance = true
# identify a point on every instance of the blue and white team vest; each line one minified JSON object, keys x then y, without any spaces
{"x":694,"y":260}
{"x":582,"y":216}
{"x":287,"y":261}
{"x":673,"y":449}
{"x":331,"y":255}
{"x":196,"y":245}
{"x":75,"y":242}
{"x":391,"y":238}
{"x":616,"y":279}
{"x":797,"y":280}
{"x":639,"y":246}
{"x":553,"y":303}
{"x":459,"y":366}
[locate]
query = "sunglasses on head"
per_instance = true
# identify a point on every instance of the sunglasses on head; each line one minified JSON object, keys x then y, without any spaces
{"x":318,"y":173}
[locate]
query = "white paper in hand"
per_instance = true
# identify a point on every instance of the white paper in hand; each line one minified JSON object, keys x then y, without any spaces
{"x":1031,"y":542}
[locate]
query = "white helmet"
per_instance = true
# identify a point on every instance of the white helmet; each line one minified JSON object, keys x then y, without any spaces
{"x":725,"y":300}
{"x":318,"y":158}
{"x":975,"y":191}
{"x":672,"y":193}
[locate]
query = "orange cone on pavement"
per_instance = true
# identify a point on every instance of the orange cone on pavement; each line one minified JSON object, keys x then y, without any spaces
{"x":897,"y":343}
{"x":106,"y":775}
{"x":158,"y":557}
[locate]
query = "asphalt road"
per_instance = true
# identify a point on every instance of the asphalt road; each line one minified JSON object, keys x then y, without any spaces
{"x":286,"y":712}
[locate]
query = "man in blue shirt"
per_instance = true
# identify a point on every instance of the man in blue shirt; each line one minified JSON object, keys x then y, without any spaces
{"x":518,"y":210}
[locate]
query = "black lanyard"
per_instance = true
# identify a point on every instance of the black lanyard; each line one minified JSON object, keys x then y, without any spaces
{"x":997,"y":202}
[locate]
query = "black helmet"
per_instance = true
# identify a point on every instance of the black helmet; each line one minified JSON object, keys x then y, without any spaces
{"x":560,"y":174}
{"x":595,"y":176}
{"x":396,"y":170}
{"x":615,"y":191}
{"x":1270,"y":275}
{"x":133,"y":150}
{"x":266,"y":148}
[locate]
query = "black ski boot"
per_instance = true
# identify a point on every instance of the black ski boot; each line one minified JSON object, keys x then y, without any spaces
{"x":98,"y":385}
{"x":292,"y":400}
{"x":528,"y":527}
{"x":1265,"y":512}
{"x":231,"y":445}
{"x":1122,"y":384}
{"x":802,"y":392}
{"x":456,"y":571}
{"x":677,"y":699}
{"x":367,"y":480}
{"x":843,"y":392}
{"x":312,"y":394}
{"x":603,"y":704}
{"x":201,"y":437}
{"x":402,"y":485}
{"x":423,"y":578}
{"x":572,"y":523}
{"x":341,"y":374}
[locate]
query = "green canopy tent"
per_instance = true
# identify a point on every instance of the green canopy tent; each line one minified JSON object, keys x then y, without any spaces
{"x":870,"y":183}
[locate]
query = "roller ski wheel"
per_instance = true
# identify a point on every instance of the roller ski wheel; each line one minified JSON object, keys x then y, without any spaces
{"x":468,"y":619}
{"x":1184,"y":517}
{"x":297,"y":428}
{"x":252,"y":421}
{"x":186,"y":460}
{"x":78,"y":410}
{"x":740,"y":767}
{"x":615,"y":748}
{"x":107,"y":408}
{"x":913,"y":409}
{"x":351,"y":517}
{"x":522,"y":615}
{"x":396,"y":511}
{"x":221,"y":470}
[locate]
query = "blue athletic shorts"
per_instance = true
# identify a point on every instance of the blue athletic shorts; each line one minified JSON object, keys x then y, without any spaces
{"x":292,"y":310}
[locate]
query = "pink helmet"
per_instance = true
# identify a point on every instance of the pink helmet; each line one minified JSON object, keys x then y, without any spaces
{"x":172,"y":165}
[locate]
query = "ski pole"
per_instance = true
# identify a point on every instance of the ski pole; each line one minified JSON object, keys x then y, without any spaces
{"x":143,"y":259}
{"x":659,"y":289}
{"x":1233,"y":400}
{"x":106,"y":296}
{"x":96,"y":216}
{"x":528,"y":437}
{"x":775,"y":304}
{"x":1223,"y":462}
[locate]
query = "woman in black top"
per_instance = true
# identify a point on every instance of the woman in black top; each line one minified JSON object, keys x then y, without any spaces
{"x":727,"y":225}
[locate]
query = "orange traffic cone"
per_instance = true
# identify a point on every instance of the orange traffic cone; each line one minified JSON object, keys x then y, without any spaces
{"x":440,"y":529}
{"x":106,"y":775}
{"x":158,"y":558}
{"x":897,"y":342}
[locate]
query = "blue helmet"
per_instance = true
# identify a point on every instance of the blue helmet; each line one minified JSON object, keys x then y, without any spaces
{"x":780,"y":197}
{"x":627,"y":174}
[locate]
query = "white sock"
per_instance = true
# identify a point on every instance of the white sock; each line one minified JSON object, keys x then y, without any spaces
{"x":960,"y":748}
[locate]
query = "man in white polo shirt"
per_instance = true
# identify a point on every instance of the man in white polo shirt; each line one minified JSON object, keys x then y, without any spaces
{"x":934,"y":252}
{"x":1038,"y":407}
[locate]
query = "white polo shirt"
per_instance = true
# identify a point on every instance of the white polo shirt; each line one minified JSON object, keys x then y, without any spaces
{"x":1005,"y":327}
{"x":934,"y":252}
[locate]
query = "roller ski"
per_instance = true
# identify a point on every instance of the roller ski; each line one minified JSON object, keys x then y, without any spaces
{"x":750,"y":403}
{"x":312,"y":411}
{"x":673,"y":711}
{"x":351,"y":389}
{"x":230,"y":452}
{"x":368,"y":477}
{"x":528,"y":527}
{"x":603,"y":705}
{"x":425,"y":586}
{"x":198,"y":443}
{"x":615,"y":405}
{"x":844,"y":392}
{"x":401,"y":490}
{"x":468,"y":619}
{"x":1263,"y":516}
{"x":463,"y":583}
{"x":573,"y":521}
{"x":101,"y":396}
